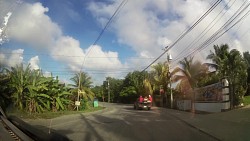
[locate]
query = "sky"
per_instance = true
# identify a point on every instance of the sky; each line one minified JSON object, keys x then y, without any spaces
{"x":58,"y":36}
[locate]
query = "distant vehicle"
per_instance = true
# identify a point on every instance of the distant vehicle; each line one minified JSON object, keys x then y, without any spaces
{"x":145,"y":103}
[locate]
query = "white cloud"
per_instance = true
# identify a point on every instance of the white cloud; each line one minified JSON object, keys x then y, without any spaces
{"x":143,"y":25}
{"x":15,"y":57}
{"x":68,"y":51}
{"x":47,"y":74}
{"x":148,"y":26}
{"x":99,"y":59}
{"x":132,"y":29}
{"x":191,"y":10}
{"x":34,"y":63}
{"x":2,"y":59}
{"x":32,"y":26}
{"x":100,"y":64}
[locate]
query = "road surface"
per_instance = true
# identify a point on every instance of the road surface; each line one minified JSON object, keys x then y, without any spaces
{"x":120,"y":122}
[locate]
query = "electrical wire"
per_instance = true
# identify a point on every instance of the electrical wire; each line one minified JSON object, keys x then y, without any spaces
{"x":225,"y":28}
{"x":215,"y":36}
{"x":205,"y":31}
{"x":110,"y":20}
{"x":95,"y":57}
{"x":186,"y":32}
{"x":104,"y":29}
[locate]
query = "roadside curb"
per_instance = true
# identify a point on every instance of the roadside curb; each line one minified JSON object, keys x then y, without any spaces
{"x":195,"y":127}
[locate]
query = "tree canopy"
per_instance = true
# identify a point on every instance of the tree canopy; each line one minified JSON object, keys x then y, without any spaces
{"x":27,"y":89}
{"x":230,"y":64}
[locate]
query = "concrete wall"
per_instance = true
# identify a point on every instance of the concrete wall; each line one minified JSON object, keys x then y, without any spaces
{"x":222,"y":103}
{"x":212,"y":107}
{"x":208,"y":107}
{"x":184,"y":104}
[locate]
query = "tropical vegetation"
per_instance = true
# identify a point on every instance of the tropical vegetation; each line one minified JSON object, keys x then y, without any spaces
{"x":82,"y":89}
{"x":29,"y":90}
{"x":232,"y":65}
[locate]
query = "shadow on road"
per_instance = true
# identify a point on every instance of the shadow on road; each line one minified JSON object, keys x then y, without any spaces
{"x":38,"y":132}
{"x":52,"y":132}
{"x":115,"y":128}
{"x":124,"y":124}
{"x":92,"y":130}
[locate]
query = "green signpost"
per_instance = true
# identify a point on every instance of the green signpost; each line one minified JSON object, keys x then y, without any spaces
{"x":95,"y":102}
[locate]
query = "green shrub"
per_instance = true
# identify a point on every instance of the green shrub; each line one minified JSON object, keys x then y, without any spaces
{"x":246,"y":100}
{"x":85,"y":104}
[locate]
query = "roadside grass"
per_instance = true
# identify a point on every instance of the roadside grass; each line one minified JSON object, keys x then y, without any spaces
{"x":246,"y":100}
{"x":49,"y":114}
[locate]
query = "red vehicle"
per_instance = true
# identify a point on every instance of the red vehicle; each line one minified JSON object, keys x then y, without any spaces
{"x":142,"y":103}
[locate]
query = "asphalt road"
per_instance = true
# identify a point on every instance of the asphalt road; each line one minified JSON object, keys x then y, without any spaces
{"x":122,"y":123}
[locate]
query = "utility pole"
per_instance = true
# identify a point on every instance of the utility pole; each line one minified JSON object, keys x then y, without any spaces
{"x":171,"y":94}
{"x":170,"y":84}
{"x":108,"y":92}
{"x":77,"y":103}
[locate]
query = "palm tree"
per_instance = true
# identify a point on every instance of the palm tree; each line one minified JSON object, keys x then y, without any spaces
{"x":190,"y":72}
{"x":220,"y":59}
{"x":161,"y":78}
{"x":147,"y":88}
{"x":238,"y":72}
{"x":82,"y":83}
{"x":231,"y":64}
{"x":161,"y":75}
{"x":188,"y":75}
{"x":133,"y":86}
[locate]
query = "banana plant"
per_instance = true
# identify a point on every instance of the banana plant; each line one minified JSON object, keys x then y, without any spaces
{"x":19,"y":81}
{"x":36,"y":98}
{"x":5,"y":98}
{"x":59,"y":95}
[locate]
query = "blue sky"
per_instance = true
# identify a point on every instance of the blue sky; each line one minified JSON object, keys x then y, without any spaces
{"x":56,"y":35}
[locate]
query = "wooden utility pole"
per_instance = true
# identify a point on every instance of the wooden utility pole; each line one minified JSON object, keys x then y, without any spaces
{"x":108,"y":92}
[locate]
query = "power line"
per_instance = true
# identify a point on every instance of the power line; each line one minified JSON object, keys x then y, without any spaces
{"x":186,"y":32}
{"x":95,"y":57}
{"x":238,"y":21}
{"x":105,"y":27}
{"x":203,"y":33}
{"x":225,"y":27}
{"x":109,"y":21}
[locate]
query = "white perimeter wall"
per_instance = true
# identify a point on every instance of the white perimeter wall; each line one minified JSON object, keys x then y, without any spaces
{"x":212,"y":107}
